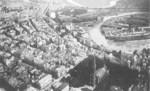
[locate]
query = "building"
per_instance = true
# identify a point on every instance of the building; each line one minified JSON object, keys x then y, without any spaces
{"x":61,"y":86}
{"x":44,"y":81}
{"x":61,"y":71}
{"x":30,"y":89}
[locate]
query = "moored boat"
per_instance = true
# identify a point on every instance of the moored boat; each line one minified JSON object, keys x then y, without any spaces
{"x":128,"y":36}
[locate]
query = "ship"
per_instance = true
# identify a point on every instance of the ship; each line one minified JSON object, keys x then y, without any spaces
{"x":128,"y":36}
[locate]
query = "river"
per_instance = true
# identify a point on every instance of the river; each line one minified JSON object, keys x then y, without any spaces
{"x":94,"y":3}
{"x":128,"y":46}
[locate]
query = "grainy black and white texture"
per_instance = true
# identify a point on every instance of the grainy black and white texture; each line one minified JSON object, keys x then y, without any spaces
{"x":74,"y":45}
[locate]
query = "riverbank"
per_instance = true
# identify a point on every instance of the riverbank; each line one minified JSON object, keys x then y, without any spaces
{"x":102,"y":4}
{"x":112,"y":3}
{"x":127,"y":47}
{"x":72,"y":2}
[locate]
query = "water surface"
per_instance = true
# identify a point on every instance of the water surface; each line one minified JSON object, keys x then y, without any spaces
{"x":96,"y":3}
{"x":124,"y":46}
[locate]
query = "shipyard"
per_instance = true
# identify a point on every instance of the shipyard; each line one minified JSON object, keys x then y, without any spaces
{"x":73,"y":45}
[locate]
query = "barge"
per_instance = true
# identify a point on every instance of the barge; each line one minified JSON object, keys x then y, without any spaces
{"x":128,"y":36}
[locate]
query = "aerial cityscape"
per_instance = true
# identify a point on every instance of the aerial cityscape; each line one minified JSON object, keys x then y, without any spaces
{"x":74,"y":45}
